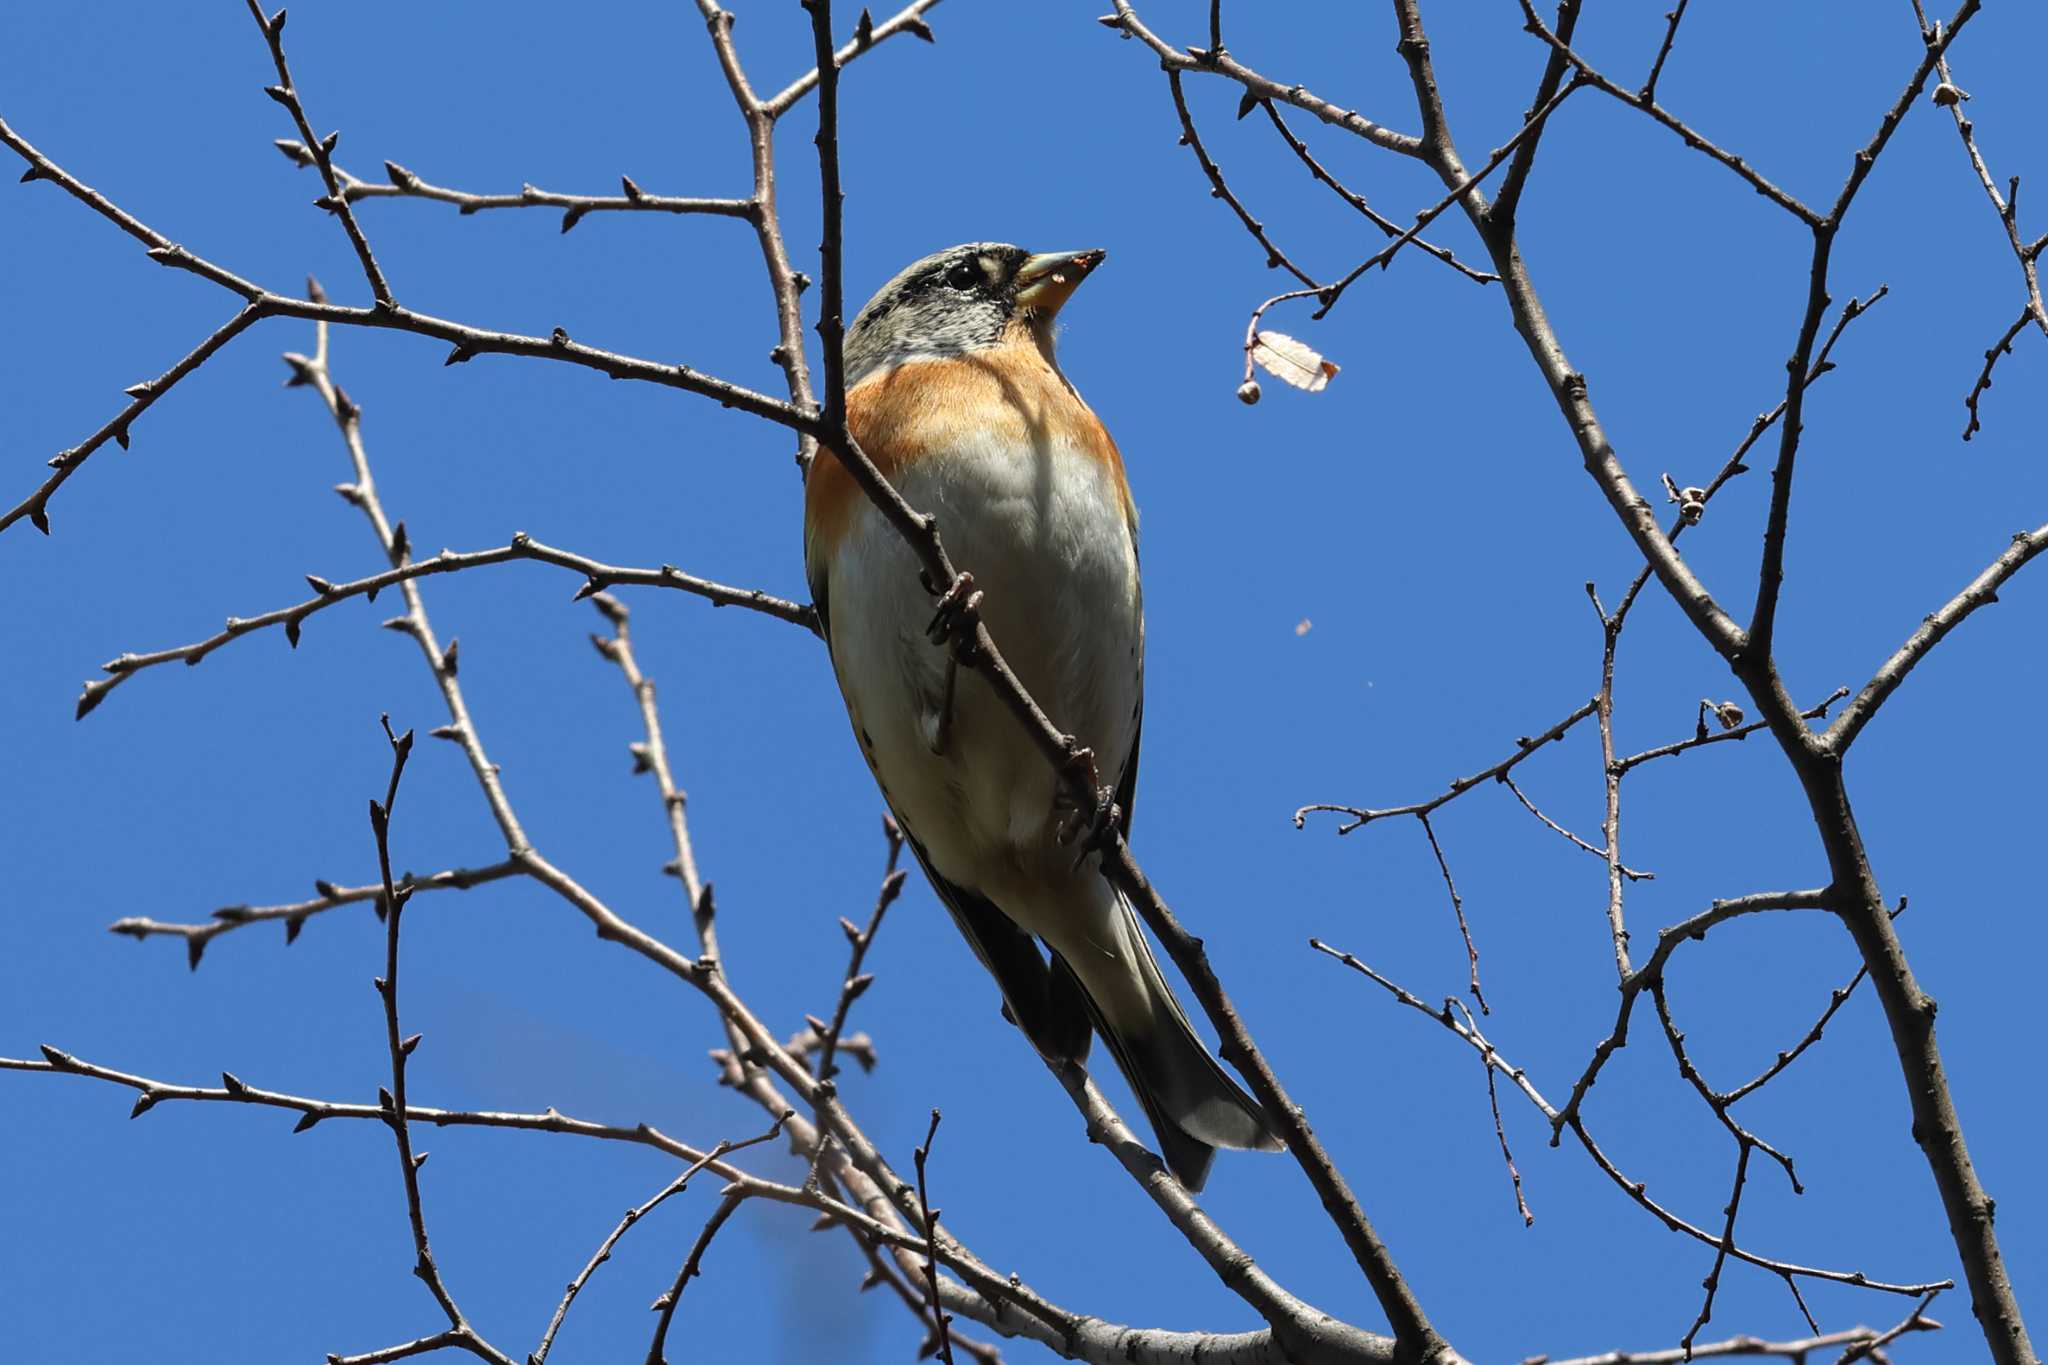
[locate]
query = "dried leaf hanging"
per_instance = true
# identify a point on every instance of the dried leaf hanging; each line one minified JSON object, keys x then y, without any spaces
{"x":1291,"y":361}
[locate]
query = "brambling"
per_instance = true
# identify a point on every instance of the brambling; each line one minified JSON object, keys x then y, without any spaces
{"x":953,"y":392}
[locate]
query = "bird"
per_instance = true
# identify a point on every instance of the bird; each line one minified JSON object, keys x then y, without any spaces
{"x":954,"y":392}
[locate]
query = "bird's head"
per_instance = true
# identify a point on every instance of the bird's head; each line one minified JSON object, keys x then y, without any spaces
{"x":963,"y":299}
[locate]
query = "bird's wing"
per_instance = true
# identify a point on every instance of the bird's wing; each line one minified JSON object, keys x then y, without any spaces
{"x":817,"y":575}
{"x":1127,"y":781}
{"x":1046,"y":1009}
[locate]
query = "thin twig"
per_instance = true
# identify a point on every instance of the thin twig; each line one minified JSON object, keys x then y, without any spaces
{"x":633,"y":1215}
{"x":1358,"y":201}
{"x":1981,"y":591}
{"x":401,"y":183}
{"x":942,"y":1339}
{"x":1524,"y":747}
{"x":141,"y":396}
{"x":1648,"y":104}
{"x":1554,"y":67}
{"x":1126,"y":21}
{"x":910,"y":19}
{"x":1797,"y":1351}
{"x":1715,"y":1100}
{"x":320,"y":149}
{"x":439,"y":1341}
{"x":1631,"y":873}
{"x":400,"y":1048}
{"x":467,"y":341}
{"x":2000,"y":347}
{"x":522,"y":547}
{"x":1672,"y":20}
{"x":853,"y":981}
{"x":1220,"y":188}
{"x":1500,"y":1131}
{"x":2005,"y":205}
{"x":1637,"y":1191}
{"x":1818,"y":711}
{"x":1458,"y":909}
{"x":1836,"y":999}
{"x":1637,"y":979}
{"x":692,"y":1267}
{"x":1771,"y":565}
{"x":1712,"y":1283}
{"x":328,"y":896}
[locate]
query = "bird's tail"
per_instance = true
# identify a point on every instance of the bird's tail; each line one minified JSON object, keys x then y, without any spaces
{"x":1194,"y":1106}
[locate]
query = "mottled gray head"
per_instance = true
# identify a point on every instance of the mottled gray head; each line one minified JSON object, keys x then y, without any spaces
{"x":962,"y":299}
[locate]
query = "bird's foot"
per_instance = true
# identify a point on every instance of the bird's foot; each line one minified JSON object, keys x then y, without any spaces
{"x":1077,"y":769}
{"x":956,"y":615}
{"x":1093,"y":834}
{"x":1092,"y":824}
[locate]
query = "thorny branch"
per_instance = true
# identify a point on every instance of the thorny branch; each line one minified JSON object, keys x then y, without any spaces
{"x":393,"y":1101}
{"x":941,"y":1338}
{"x":597,"y":576}
{"x":321,"y":150}
{"x":1815,"y":757}
{"x":1645,"y":100}
{"x":633,"y":1215}
{"x":847,"y":1155}
{"x":327,"y":896}
{"x":405,"y":184}
{"x":2005,"y":205}
{"x":1634,"y":1189}
{"x":1358,"y":202}
{"x":468,"y":342}
{"x":1857,"y":1343}
{"x":885,"y":1214}
{"x":728,"y":1204}
{"x":854,"y":982}
{"x":1093,"y":805}
{"x":707,"y":972}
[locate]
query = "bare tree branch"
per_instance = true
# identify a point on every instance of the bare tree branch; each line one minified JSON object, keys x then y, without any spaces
{"x":141,"y":397}
{"x":1797,"y":1351}
{"x":598,"y":575}
{"x":539,"y":1354}
{"x":2005,"y":205}
{"x":295,"y":914}
{"x":1673,"y":19}
{"x":1220,"y":188}
{"x":401,"y":183}
{"x":286,"y":93}
{"x":1631,"y":873}
{"x":1126,"y":22}
{"x":1646,"y":102}
{"x":400,"y":1048}
{"x":1981,"y":591}
{"x":1637,"y":1191}
{"x":1357,"y":201}
{"x":941,"y":1340}
{"x":1510,"y":195}
{"x":2000,"y":347}
{"x":468,"y":342}
{"x":1524,"y":747}
{"x":910,"y":19}
{"x":666,"y":1304}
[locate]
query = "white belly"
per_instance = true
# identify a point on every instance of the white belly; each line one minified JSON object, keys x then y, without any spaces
{"x":1044,"y":534}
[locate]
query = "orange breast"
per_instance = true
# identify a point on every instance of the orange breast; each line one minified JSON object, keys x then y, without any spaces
{"x":923,"y":408}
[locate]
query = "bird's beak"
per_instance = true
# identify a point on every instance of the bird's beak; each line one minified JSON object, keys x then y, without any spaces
{"x":1045,"y":281}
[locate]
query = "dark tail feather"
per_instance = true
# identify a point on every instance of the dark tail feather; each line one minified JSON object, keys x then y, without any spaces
{"x":1037,"y":1002}
{"x":1193,"y":1104}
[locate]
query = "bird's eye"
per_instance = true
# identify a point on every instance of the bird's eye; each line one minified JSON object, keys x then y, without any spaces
{"x":963,"y":276}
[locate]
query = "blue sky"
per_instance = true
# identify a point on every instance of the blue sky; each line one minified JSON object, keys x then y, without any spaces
{"x":1427,"y":515}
